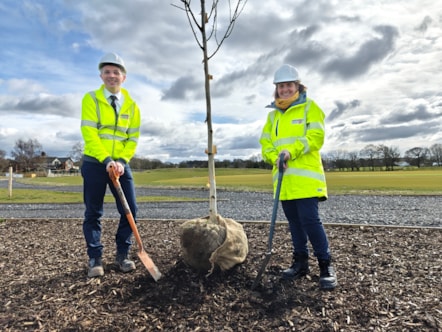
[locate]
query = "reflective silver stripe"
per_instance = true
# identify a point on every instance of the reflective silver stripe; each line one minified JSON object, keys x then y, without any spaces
{"x":304,"y":141}
{"x":285,"y":141}
{"x":87,"y":123}
{"x":302,"y":172}
{"x":291,"y":140}
{"x":315,"y":125}
{"x":269,"y":150}
{"x":306,"y":108}
{"x":120,"y":129}
{"x":265,"y":136}
{"x":133,"y":130}
{"x":97,"y":109}
{"x":112,"y":137}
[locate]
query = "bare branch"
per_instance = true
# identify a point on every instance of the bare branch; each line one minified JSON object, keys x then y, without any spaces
{"x":191,"y":19}
{"x":212,"y":17}
{"x":238,"y":10}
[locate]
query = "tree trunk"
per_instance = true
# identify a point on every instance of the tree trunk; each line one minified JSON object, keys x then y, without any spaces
{"x":210,"y":148}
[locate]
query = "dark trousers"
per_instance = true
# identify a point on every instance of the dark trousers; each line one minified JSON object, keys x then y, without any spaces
{"x":95,"y":182}
{"x":304,"y":225}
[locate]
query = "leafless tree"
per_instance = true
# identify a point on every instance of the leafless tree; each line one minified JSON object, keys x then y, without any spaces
{"x":417,"y":156}
{"x":436,"y":153}
{"x":354,"y":160}
{"x":3,"y":161}
{"x":371,"y":152}
{"x":77,"y":151}
{"x":28,"y":154}
{"x":389,"y":155}
{"x":205,"y":28}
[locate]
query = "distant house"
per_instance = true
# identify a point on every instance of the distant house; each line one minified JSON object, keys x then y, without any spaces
{"x":402,"y":164}
{"x":59,"y":164}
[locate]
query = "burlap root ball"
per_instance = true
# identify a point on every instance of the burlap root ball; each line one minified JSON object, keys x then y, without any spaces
{"x":199,"y":239}
{"x":206,"y":245}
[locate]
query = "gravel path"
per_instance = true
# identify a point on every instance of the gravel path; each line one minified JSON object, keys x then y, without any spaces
{"x":251,"y":206}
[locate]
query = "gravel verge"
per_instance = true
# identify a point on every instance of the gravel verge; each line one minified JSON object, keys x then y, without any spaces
{"x":422,"y":211}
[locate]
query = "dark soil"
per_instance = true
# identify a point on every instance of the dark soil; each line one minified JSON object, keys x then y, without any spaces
{"x":389,"y":280}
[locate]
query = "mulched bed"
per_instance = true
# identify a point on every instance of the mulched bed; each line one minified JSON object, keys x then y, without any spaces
{"x":389,"y":280}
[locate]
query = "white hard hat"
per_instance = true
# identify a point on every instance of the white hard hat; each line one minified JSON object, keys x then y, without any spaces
{"x":286,"y":73}
{"x":113,"y":59}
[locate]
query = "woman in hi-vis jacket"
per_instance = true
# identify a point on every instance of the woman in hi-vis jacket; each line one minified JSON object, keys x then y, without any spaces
{"x":294,"y":130}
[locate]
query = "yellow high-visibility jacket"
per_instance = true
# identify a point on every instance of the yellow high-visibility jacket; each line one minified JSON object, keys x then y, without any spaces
{"x":108,"y":136}
{"x":299,"y":130}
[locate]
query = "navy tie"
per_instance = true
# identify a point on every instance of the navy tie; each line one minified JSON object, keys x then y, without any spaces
{"x":113,"y":104}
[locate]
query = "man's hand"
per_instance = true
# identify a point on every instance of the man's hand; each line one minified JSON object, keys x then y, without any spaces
{"x":115,"y":166}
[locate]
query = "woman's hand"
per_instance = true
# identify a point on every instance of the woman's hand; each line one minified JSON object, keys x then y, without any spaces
{"x":283,"y":154}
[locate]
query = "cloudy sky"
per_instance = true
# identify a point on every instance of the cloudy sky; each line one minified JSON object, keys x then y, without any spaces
{"x":373,"y":66}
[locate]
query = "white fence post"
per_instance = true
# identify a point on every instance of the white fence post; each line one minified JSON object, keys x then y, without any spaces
{"x":10,"y":182}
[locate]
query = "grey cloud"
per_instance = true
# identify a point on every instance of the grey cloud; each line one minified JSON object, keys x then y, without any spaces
{"x":183,"y":88}
{"x":153,"y":129}
{"x":73,"y":136}
{"x":358,"y":122}
{"x":56,"y":105}
{"x":303,"y":51}
{"x":385,"y":133}
{"x":312,"y":11}
{"x":243,"y":142}
{"x":425,"y":24}
{"x":261,"y":69}
{"x":420,"y":113}
{"x":339,"y":125}
{"x":341,"y":108}
{"x":250,"y":99}
{"x":368,"y":54}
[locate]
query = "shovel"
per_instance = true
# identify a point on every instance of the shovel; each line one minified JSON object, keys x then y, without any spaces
{"x":272,"y":223}
{"x":142,"y":254}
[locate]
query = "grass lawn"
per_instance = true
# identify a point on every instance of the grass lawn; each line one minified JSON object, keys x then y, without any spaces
{"x":415,"y":182}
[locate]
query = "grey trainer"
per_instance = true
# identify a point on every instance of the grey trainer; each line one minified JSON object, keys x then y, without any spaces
{"x":95,"y":268}
{"x":124,"y":263}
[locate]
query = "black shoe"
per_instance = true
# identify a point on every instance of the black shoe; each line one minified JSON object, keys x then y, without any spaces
{"x":298,"y":269}
{"x":327,"y":277}
{"x":95,"y":268}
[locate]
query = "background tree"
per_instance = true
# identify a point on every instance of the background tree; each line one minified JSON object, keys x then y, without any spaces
{"x":28,"y":154}
{"x":371,"y":153}
{"x":417,"y":156}
{"x":4,"y":163}
{"x":389,"y":155}
{"x":76,"y":153}
{"x":339,"y":159}
{"x":354,"y":160}
{"x":436,"y":153}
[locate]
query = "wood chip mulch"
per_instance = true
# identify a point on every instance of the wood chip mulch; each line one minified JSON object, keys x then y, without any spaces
{"x":389,"y":280}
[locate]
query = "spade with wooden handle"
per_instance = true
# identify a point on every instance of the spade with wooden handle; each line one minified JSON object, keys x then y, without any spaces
{"x":142,"y":254}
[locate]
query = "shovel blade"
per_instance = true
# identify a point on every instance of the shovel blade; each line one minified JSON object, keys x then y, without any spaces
{"x":261,"y":270}
{"x":150,"y":265}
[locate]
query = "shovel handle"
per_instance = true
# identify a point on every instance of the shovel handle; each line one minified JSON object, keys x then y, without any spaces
{"x":115,"y":177}
{"x":276,"y":200}
{"x":272,"y":222}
